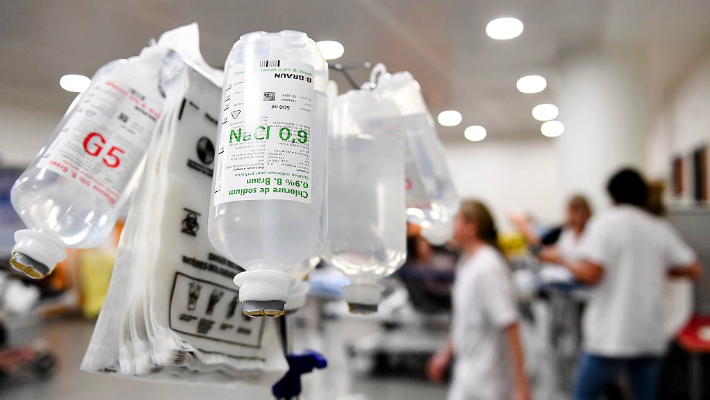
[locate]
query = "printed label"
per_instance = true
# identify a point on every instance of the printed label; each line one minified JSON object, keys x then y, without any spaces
{"x":102,"y":144}
{"x":266,"y":153}
{"x":210,"y":311}
{"x":203,"y":159}
{"x":416,"y":191}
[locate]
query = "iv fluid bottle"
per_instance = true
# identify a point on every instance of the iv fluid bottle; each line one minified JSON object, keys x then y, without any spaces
{"x":72,"y":194}
{"x":367,"y":222}
{"x":269,"y":209}
{"x":432,"y":200}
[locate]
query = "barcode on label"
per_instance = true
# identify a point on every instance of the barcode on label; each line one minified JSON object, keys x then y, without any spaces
{"x":269,"y":63}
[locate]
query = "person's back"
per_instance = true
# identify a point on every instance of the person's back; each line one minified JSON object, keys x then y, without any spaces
{"x":624,"y":316}
{"x":627,"y":255}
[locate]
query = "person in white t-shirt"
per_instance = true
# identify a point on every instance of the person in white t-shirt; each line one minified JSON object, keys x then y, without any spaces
{"x":578,"y":214}
{"x":562,"y":238}
{"x":485,"y":338}
{"x":627,"y":254}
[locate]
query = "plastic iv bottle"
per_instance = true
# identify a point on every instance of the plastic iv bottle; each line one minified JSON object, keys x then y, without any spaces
{"x":432,"y":200}
{"x":73,"y":192}
{"x":367,"y":223}
{"x":269,"y":209}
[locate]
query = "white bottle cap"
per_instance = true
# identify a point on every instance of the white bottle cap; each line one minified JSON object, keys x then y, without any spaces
{"x":36,"y":253}
{"x":264,"y":292}
{"x":363,"y":298}
{"x":438,"y":233}
{"x":297,"y":296}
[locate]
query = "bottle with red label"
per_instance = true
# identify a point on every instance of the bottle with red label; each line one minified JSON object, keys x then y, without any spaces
{"x":432,"y":200}
{"x":73,"y":192}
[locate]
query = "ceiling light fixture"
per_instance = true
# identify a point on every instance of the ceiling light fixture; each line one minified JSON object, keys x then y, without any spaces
{"x":74,"y":83}
{"x":504,"y":28}
{"x":331,"y":49}
{"x":531,"y":84}
{"x":450,"y":118}
{"x":552,"y":128}
{"x":545,"y":112}
{"x":475,"y":133}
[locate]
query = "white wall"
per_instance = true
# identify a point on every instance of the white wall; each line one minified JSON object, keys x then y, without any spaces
{"x":602,"y":104}
{"x":24,"y":129}
{"x":509,"y":175}
{"x":683,"y":123}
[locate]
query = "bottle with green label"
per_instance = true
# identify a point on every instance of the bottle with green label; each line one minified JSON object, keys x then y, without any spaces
{"x":73,"y":192}
{"x":367,"y":221}
{"x":269,"y":210}
{"x":432,"y":200}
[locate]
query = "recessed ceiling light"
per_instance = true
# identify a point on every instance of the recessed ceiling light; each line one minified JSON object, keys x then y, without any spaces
{"x":331,"y":49}
{"x":450,"y":118}
{"x":74,"y":83}
{"x":475,"y":133}
{"x":531,"y":84}
{"x":504,"y":28}
{"x":552,"y":128}
{"x":545,"y":112}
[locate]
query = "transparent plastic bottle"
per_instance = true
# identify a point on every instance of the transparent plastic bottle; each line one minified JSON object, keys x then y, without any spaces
{"x":367,"y":223}
{"x":432,"y":200}
{"x":73,"y":192}
{"x":269,"y":208}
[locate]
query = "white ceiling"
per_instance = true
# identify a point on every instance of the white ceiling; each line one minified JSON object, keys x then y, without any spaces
{"x":443,"y":43}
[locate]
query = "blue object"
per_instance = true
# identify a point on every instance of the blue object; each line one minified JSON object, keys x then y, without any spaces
{"x":327,"y":283}
{"x":595,"y":373}
{"x":298,"y":364}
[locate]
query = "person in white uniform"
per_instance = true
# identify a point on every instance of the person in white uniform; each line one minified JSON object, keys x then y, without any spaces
{"x":627,"y":254}
{"x":560,"y":241}
{"x":485,"y":338}
{"x":578,"y":214}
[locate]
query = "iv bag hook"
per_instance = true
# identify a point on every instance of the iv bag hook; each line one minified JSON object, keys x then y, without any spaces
{"x":344,"y":68}
{"x":376,"y":72}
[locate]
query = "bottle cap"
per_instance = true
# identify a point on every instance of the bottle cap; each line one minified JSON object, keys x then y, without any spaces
{"x":297,"y":296}
{"x":264,"y":293}
{"x":363,"y":298}
{"x":36,"y":253}
{"x":438,"y":233}
{"x":272,"y":308}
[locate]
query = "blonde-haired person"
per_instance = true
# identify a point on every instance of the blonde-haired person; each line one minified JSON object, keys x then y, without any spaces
{"x":566,"y":236}
{"x":485,"y":338}
{"x":578,"y":214}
